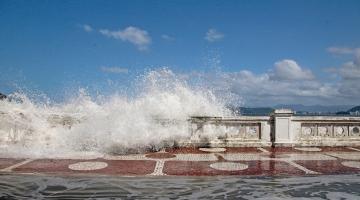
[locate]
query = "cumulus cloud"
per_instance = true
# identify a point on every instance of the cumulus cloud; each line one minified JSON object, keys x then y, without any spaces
{"x":87,"y":28}
{"x":261,"y":89}
{"x":290,"y":70}
{"x":349,"y":69}
{"x":138,"y":37}
{"x":349,"y":73}
{"x":167,"y":37}
{"x":341,"y":50}
{"x":115,"y":70}
{"x":212,"y":35}
{"x":285,"y":83}
{"x":289,"y":83}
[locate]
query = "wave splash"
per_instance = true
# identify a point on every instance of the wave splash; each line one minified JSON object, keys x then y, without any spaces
{"x":153,"y":118}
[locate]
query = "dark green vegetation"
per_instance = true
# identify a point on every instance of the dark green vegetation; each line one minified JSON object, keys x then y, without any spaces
{"x":353,"y":111}
{"x":255,"y":111}
{"x":2,"y":96}
{"x":300,"y":110}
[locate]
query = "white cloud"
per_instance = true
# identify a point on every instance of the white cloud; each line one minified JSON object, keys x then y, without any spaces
{"x":349,"y":69}
{"x":212,"y":35}
{"x":288,"y":83}
{"x":290,"y":70}
{"x":349,"y":73}
{"x":341,"y":50}
{"x":260,"y":89}
{"x":266,"y":90}
{"x":115,"y":70}
{"x":167,"y":37}
{"x":87,"y":28}
{"x":138,"y":37}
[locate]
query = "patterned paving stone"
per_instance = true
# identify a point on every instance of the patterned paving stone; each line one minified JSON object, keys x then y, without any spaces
{"x":345,"y":155}
{"x":279,"y":150}
{"x":185,"y":150}
{"x":125,"y":157}
{"x":117,"y":167}
{"x":228,"y":166}
{"x":327,"y":166}
{"x":313,"y":156}
{"x":7,"y":162}
{"x":308,"y":149}
{"x":196,"y":157}
{"x":353,"y":164}
{"x":246,"y":157}
{"x":243,"y":150}
{"x":193,"y":150}
{"x":213,"y":150}
{"x":181,"y":168}
{"x":338,"y":149}
{"x":81,"y":166}
{"x":194,"y":162}
{"x":160,"y":155}
{"x":356,"y":148}
{"x":159,"y":168}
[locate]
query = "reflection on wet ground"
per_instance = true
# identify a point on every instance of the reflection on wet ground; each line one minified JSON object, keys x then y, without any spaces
{"x":168,"y":187}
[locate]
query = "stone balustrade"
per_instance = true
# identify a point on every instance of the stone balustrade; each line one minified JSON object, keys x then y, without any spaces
{"x":325,"y":131}
{"x":230,"y":131}
{"x":281,"y":128}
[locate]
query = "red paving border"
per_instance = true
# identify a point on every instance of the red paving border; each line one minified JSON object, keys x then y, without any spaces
{"x":194,"y":162}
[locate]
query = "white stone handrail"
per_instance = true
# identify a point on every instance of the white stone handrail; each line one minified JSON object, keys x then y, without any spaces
{"x":230,"y":131}
{"x":281,"y":128}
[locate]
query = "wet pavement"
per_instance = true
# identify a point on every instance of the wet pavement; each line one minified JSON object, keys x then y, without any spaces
{"x":200,"y":162}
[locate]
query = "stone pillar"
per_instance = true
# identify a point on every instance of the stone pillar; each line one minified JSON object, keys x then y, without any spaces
{"x":282,"y":127}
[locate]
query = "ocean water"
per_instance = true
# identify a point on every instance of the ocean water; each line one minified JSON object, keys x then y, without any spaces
{"x":221,"y":187}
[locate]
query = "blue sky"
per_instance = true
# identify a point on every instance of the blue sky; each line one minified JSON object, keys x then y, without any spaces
{"x":273,"y":51}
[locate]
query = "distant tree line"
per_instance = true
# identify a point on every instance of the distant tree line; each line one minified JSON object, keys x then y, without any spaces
{"x":353,"y":111}
{"x":2,"y":96}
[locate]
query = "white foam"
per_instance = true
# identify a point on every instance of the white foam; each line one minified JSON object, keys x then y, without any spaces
{"x":153,"y":118}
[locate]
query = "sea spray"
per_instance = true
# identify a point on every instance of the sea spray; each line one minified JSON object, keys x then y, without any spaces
{"x":153,"y":118}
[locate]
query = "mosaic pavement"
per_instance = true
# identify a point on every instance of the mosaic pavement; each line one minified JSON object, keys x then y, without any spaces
{"x":200,"y":162}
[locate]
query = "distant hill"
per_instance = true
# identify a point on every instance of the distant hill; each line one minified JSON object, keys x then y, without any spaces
{"x":354,"y":109}
{"x":351,"y":111}
{"x":2,"y":96}
{"x":299,"y":109}
{"x":315,"y":108}
{"x":253,"y":111}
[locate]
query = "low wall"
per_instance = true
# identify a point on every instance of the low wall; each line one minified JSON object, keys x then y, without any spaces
{"x":229,"y":132}
{"x":325,"y":131}
{"x":281,"y":128}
